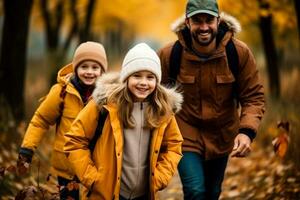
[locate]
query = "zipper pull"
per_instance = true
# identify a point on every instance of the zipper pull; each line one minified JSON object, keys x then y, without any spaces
{"x":141,"y":105}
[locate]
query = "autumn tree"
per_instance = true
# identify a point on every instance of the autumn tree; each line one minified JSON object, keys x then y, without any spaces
{"x":265,"y":25}
{"x":54,"y":15}
{"x":275,"y":21}
{"x":13,"y":57}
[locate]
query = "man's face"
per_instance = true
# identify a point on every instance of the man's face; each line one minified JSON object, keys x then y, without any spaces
{"x":203,"y":28}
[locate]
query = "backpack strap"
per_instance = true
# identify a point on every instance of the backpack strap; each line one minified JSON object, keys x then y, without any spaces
{"x":62,"y":96}
{"x":101,"y":120}
{"x":175,"y":59}
{"x":233,"y":62}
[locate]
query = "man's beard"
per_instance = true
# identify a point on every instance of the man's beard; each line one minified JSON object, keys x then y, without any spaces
{"x":196,"y":36}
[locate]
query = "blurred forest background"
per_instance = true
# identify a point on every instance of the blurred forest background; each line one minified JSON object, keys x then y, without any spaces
{"x":37,"y":37}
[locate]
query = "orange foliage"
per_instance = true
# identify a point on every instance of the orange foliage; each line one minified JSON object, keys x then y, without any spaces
{"x":281,"y":142}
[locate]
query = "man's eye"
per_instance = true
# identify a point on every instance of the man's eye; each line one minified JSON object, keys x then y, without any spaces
{"x":195,"y":21}
{"x":210,"y":20}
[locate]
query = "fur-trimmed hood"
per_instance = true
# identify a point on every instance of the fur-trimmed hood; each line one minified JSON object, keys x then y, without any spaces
{"x":231,"y":22}
{"x":227,"y":28}
{"x":108,"y":82}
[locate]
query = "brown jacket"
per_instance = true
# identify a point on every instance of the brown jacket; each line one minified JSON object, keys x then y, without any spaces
{"x":209,"y":119}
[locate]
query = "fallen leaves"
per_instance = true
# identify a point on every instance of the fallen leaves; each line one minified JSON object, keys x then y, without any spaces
{"x":281,"y":142}
{"x":261,"y":176}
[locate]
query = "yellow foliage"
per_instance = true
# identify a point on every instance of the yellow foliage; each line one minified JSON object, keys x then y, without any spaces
{"x":151,"y":18}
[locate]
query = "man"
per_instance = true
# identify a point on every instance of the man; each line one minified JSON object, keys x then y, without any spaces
{"x":209,"y":120}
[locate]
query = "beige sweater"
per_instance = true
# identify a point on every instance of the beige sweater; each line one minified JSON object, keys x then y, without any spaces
{"x":135,"y":167}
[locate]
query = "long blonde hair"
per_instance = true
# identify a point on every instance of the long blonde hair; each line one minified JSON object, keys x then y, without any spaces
{"x":158,"y":106}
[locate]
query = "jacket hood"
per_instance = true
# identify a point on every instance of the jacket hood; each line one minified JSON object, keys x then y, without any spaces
{"x":228,"y":21}
{"x":108,"y":82}
{"x":65,"y":73}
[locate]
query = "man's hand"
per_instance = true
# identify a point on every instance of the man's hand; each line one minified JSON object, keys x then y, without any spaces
{"x":241,"y":146}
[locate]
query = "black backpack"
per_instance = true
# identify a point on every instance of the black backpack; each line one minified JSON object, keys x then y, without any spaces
{"x":232,"y":58}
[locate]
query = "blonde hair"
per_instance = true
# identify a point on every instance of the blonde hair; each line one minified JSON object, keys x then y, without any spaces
{"x":157,"y":108}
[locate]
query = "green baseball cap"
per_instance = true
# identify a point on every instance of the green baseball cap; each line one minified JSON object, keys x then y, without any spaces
{"x":194,"y":7}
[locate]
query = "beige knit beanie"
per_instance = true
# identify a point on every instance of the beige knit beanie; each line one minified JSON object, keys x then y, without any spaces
{"x":140,"y":57}
{"x":90,"y":51}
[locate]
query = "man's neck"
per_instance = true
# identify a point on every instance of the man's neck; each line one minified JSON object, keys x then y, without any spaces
{"x":204,"y":50}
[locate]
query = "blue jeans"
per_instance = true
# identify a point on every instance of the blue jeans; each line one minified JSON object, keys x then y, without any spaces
{"x":201,"y":179}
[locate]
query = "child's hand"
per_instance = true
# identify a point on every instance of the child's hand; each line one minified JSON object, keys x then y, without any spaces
{"x":23,"y":164}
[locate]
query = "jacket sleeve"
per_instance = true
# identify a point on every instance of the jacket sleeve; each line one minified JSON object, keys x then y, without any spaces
{"x":76,"y":144}
{"x":169,"y":155}
{"x":251,"y":92}
{"x":46,"y":115}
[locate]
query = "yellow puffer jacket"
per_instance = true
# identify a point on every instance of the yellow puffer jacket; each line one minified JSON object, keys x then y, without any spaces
{"x":100,"y":172}
{"x":47,"y":114}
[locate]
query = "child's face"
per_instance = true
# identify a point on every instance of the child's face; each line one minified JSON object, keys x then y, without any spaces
{"x":88,"y":71}
{"x":141,"y":84}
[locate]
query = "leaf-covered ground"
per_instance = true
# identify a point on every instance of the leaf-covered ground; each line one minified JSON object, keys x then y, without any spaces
{"x":261,"y":176}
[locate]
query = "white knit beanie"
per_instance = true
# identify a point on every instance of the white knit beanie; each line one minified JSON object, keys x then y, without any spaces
{"x":90,"y":51}
{"x":140,"y":57}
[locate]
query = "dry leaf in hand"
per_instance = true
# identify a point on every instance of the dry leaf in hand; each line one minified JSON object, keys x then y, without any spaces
{"x":23,"y":168}
{"x":22,"y":165}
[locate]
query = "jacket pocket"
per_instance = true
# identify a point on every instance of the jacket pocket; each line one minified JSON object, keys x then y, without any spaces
{"x":186,"y":79}
{"x":159,"y":182}
{"x":225,"y":79}
{"x":188,"y":84}
{"x":224,"y":88}
{"x":60,"y":163}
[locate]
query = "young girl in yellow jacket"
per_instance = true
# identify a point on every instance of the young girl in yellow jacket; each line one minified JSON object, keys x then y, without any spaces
{"x":140,"y":145}
{"x":60,"y":107}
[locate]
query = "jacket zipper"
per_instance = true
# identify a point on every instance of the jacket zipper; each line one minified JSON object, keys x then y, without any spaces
{"x":140,"y":131}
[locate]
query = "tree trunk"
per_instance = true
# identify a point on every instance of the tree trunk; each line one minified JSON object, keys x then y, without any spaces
{"x":13,"y":54}
{"x":75,"y":25}
{"x":53,"y":23}
{"x":85,"y":32}
{"x":265,"y":25}
{"x":297,"y":8}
